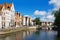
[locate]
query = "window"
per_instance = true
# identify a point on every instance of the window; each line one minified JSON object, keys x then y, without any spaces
{"x":8,"y":7}
{"x":3,"y":18}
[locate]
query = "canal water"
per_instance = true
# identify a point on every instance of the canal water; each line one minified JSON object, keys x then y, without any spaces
{"x":31,"y":35}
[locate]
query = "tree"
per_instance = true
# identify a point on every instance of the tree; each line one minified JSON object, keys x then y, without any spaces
{"x":57,"y":20}
{"x":37,"y":20}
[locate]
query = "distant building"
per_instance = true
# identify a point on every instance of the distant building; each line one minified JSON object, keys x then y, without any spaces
{"x":18,"y":19}
{"x":47,"y":23}
{"x":0,"y":21}
{"x":33,"y":22}
{"x":7,"y":12}
{"x":27,"y":21}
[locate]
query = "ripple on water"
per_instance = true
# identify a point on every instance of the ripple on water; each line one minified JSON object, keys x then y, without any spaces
{"x":30,"y":35}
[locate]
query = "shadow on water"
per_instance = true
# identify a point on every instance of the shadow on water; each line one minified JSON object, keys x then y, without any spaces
{"x":57,"y":37}
{"x":58,"y":34}
{"x":37,"y":33}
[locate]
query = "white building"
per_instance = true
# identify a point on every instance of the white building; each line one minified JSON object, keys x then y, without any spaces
{"x":47,"y":23}
{"x":8,"y":13}
{"x":27,"y":21}
{"x":0,"y":21}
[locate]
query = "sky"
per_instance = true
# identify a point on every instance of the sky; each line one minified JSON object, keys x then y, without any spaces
{"x":35,"y":8}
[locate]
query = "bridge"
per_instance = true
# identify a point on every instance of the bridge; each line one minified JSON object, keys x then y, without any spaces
{"x":41,"y":27}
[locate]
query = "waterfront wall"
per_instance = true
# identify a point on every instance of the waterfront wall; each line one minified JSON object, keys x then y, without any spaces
{"x":16,"y":29}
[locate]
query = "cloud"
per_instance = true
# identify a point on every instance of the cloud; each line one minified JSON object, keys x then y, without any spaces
{"x":51,"y":17}
{"x":26,"y":15}
{"x":37,"y":12}
{"x":48,"y":18}
{"x":45,"y":16}
{"x":31,"y":16}
{"x":56,"y":4}
{"x":43,"y":19}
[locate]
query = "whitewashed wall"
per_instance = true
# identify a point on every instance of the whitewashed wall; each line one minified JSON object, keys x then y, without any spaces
{"x":0,"y":22}
{"x":24,"y":21}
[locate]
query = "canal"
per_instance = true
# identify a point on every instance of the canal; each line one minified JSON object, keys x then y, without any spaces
{"x":31,"y":35}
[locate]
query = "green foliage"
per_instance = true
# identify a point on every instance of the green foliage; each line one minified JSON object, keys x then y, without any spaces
{"x":37,"y":20}
{"x":57,"y":17}
{"x":57,"y":21}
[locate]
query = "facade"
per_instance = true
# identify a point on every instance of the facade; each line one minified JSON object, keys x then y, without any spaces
{"x":0,"y":21}
{"x":23,"y":21}
{"x":17,"y":19}
{"x":32,"y":22}
{"x":7,"y":12}
{"x":27,"y":21}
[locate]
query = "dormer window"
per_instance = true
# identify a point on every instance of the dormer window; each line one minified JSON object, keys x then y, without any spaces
{"x":0,"y":8}
{"x":19,"y":14}
{"x":8,"y":7}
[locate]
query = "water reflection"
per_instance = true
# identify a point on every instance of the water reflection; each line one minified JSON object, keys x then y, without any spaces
{"x":58,"y":38}
{"x":31,"y":35}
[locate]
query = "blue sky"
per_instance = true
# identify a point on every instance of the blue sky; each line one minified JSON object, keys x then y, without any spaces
{"x":31,"y":7}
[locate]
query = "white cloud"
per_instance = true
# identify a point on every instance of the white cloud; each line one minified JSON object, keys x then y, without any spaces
{"x":37,"y":12}
{"x":31,"y":16}
{"x":26,"y":15}
{"x":51,"y":17}
{"x":43,"y":19}
{"x":56,"y":4}
{"x":48,"y":18}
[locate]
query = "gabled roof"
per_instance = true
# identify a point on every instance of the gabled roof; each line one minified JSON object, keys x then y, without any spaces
{"x":6,"y":6}
{"x":1,"y":6}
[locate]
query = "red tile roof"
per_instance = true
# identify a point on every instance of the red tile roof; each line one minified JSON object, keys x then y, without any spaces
{"x":6,"y":5}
